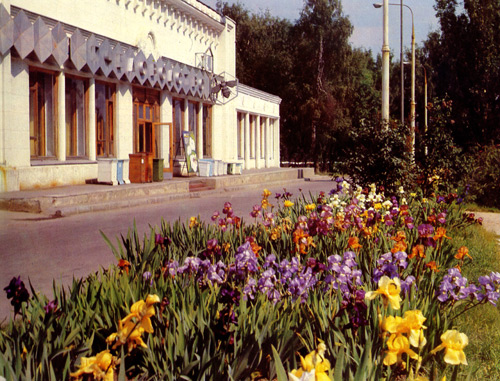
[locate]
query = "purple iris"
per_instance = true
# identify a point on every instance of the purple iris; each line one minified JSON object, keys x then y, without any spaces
{"x":17,"y":292}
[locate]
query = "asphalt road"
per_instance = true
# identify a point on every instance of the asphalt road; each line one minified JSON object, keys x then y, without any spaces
{"x":41,"y":249}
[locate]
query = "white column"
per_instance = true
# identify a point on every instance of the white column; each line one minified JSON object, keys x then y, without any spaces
{"x":276,"y":148}
{"x":124,"y":126}
{"x":165,"y":117}
{"x":199,"y":131}
{"x":247,"y":141}
{"x":61,"y":117}
{"x":267,"y":142}
{"x":186,"y":116}
{"x":257,"y":142}
{"x":91,"y":120}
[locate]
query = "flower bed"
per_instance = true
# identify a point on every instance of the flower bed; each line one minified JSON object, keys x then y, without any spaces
{"x":368,"y":285}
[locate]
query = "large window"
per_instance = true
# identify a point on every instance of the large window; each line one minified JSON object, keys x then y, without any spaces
{"x":207,"y":131}
{"x":104,"y":115}
{"x":43,"y":93}
{"x":76,"y":121}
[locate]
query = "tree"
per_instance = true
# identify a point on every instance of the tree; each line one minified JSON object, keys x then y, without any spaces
{"x":465,"y":61}
{"x":319,"y":78}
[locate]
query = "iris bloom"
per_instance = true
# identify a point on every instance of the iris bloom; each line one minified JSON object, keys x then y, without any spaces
{"x":100,"y":366}
{"x":454,"y":343}
{"x":310,"y":207}
{"x":463,"y":251}
{"x":396,"y":346}
{"x":123,"y":264}
{"x":411,"y":324}
{"x":353,"y":243}
{"x":314,"y":367}
{"x":389,"y":289}
{"x":287,"y":203}
{"x":417,"y":250}
{"x":135,"y":323}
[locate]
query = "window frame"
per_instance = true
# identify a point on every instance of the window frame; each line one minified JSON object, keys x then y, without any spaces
{"x":72,"y":128}
{"x":108,"y":141}
{"x":38,"y":114}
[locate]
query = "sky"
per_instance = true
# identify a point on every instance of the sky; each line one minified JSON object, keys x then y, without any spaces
{"x":366,"y":19}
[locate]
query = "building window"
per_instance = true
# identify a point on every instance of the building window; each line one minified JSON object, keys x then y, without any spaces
{"x":43,"y":92}
{"x":262,"y":137}
{"x":252,"y":136}
{"x":178,"y":118}
{"x":207,"y":131}
{"x":76,"y":120}
{"x":240,"y":135}
{"x":193,"y":120}
{"x":104,"y":114}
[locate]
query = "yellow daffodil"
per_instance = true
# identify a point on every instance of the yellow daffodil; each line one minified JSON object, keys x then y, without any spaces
{"x":314,"y":367}
{"x":389,"y":289}
{"x":100,"y":366}
{"x":396,"y":346}
{"x":454,"y":343}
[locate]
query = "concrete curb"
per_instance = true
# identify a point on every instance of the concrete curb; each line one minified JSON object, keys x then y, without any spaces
{"x":92,"y":198}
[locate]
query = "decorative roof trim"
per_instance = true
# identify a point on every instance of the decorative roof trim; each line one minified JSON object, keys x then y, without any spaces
{"x":250,"y":91}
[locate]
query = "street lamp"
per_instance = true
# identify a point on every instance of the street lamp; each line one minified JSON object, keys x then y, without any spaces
{"x":385,"y":63}
{"x":379,"y":5}
{"x":412,"y":107}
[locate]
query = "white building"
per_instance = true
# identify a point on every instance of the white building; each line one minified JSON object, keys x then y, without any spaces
{"x":83,"y":81}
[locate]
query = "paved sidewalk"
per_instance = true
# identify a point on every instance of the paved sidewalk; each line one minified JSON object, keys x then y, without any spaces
{"x":68,"y":200}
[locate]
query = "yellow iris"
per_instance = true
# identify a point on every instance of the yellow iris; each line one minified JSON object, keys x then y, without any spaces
{"x":288,"y":203}
{"x":131,"y":327}
{"x":389,"y":289}
{"x":310,"y":207}
{"x":266,"y":193}
{"x":410,"y":324}
{"x":454,"y":343}
{"x":100,"y":366}
{"x":396,"y":346}
{"x":314,"y":367}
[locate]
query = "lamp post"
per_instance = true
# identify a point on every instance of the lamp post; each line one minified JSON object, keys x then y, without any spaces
{"x":412,"y":104}
{"x":425,"y":108}
{"x":385,"y":62}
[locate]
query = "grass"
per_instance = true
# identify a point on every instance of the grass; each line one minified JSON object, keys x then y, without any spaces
{"x":482,"y":324}
{"x":473,"y":207}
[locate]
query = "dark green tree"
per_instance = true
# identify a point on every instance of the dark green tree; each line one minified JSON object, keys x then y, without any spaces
{"x":320,"y":80}
{"x":465,"y":61}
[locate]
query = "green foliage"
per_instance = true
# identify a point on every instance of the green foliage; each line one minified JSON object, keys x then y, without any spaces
{"x":484,"y":176}
{"x":464,"y":60}
{"x":208,"y":330}
{"x":374,"y":153}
